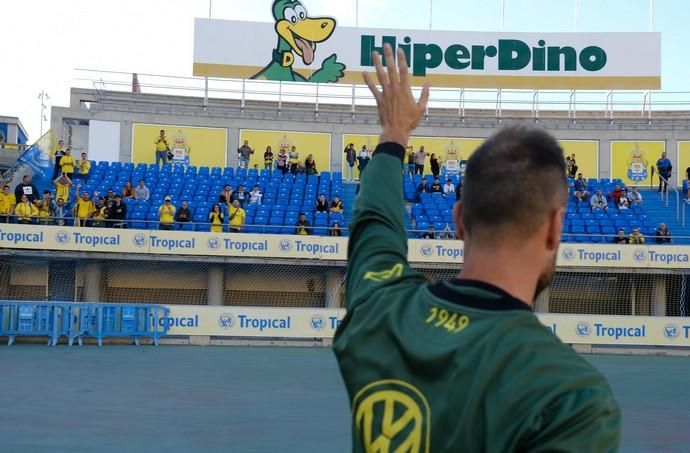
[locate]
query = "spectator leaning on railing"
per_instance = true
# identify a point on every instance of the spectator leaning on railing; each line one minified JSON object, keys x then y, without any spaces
{"x":663,"y":234}
{"x":100,"y":214}
{"x":25,"y":211}
{"x":83,"y":209}
{"x":61,"y":212}
{"x":166,"y":215}
{"x":236,"y":217}
{"x":7,"y":204}
{"x":636,"y":237}
{"x":335,"y":230}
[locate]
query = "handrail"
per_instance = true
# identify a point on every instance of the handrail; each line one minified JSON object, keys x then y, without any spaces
{"x":664,"y":194}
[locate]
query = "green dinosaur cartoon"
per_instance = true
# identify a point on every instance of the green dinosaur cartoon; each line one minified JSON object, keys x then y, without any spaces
{"x":299,"y":33}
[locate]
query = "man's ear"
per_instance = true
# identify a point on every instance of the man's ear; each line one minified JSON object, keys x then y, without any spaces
{"x":553,"y":234}
{"x":457,"y":218}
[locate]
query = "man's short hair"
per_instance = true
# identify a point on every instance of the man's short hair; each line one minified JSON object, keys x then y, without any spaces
{"x":60,"y":199}
{"x":46,"y":192}
{"x":5,"y":186}
{"x":513,"y":180}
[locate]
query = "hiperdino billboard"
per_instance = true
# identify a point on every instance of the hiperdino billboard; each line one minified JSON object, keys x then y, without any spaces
{"x":299,"y":47}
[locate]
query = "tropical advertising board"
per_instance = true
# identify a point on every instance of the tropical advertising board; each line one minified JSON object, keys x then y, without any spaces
{"x":303,"y":47}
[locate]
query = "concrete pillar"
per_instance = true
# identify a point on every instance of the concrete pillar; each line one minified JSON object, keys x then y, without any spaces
{"x":215,"y":285}
{"x":541,"y":304}
{"x":233,"y":143}
{"x":92,"y":281}
{"x":333,"y":287}
{"x":659,"y":296}
{"x":337,"y":152}
{"x":605,"y":170}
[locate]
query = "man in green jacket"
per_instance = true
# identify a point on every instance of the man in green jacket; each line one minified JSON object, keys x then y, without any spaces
{"x":464,"y":365}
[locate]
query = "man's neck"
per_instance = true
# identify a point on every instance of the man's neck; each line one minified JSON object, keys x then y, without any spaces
{"x":503,"y":268}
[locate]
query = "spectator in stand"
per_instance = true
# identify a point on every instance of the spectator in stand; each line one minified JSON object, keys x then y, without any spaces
{"x":63,"y":185}
{"x":293,"y":156}
{"x":141,"y":192}
{"x":663,"y":234}
{"x":57,"y":157}
{"x":255,"y":196}
{"x":335,"y":230}
{"x":363,"y":159}
{"x":458,"y":190}
{"x":282,"y":161}
{"x":310,"y":165}
{"x":83,"y":209}
{"x":67,"y":163}
{"x":117,"y":213}
{"x":109,"y":195}
{"x":336,"y":205}
{"x":46,"y":209}
{"x":268,"y":159}
{"x":162,"y":149}
{"x":620,"y":238}
{"x":7,"y":204}
{"x":665,"y":169}
{"x":419,"y":158}
{"x":598,"y":201}
{"x":61,"y":212}
{"x":448,"y":233}
{"x":225,"y":196}
{"x":623,"y":202}
{"x":25,"y":211}
{"x":581,"y":192}
{"x":216,"y":218}
{"x":245,"y":152}
{"x":100,"y":214}
{"x":616,"y":194}
{"x":128,"y":190}
{"x":350,"y":158}
{"x":241,"y":196}
{"x":184,"y":215}
{"x":298,"y":169}
{"x":303,"y":226}
{"x":236,"y":217}
{"x":27,"y":188}
{"x":410,"y":161}
{"x":435,"y":165}
{"x":571,"y":167}
{"x":423,"y":187}
{"x":84,"y":166}
{"x":448,"y":188}
{"x":322,"y":203}
{"x":635,"y":197}
{"x":436,"y":186}
{"x":431,"y":234}
{"x":166,"y":215}
{"x":636,"y":237}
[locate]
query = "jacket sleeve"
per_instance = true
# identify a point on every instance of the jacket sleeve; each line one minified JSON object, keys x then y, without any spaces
{"x":377,"y":248}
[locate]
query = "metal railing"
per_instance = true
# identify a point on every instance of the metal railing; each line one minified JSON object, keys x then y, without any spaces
{"x":535,"y":103}
{"x":665,"y":197}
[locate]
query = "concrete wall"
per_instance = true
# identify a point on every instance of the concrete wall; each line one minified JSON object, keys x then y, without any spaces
{"x":306,"y":120}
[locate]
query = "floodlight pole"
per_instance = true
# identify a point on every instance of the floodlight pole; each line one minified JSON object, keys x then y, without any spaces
{"x":577,"y":14}
{"x":356,"y":13}
{"x":43,"y":96}
{"x":431,"y":13}
{"x":651,"y":15}
{"x":503,"y":15}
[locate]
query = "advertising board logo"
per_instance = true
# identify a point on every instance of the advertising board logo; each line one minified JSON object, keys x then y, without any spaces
{"x":285,"y":245}
{"x":226,"y":321}
{"x":213,"y":243}
{"x":392,"y":412}
{"x":317,"y":323}
{"x":62,"y":237}
{"x":426,"y":250}
{"x":640,"y":255}
{"x":583,"y":329}
{"x":568,"y":254}
{"x":139,"y":240}
{"x":671,"y":331}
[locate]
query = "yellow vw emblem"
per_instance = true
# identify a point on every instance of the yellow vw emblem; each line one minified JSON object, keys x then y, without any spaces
{"x":392,"y":416}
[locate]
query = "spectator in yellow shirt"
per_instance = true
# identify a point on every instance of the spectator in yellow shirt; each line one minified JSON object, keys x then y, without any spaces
{"x":46,"y":209}
{"x":162,"y":148}
{"x":67,"y":163}
{"x":336,"y":205}
{"x":166,"y":215}
{"x":25,"y":211}
{"x":84,"y":168}
{"x":636,"y":237}
{"x":303,"y":226}
{"x":83,"y":209}
{"x":7,"y":202}
{"x":63,"y":185}
{"x":100,"y":214}
{"x":215,"y":218}
{"x":236,"y":217}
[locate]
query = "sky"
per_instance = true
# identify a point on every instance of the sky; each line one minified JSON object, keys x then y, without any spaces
{"x":45,"y":40}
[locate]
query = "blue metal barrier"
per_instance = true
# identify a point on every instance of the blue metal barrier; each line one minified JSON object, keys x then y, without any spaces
{"x":78,"y":320}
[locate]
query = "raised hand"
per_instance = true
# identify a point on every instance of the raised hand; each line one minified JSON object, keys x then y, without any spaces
{"x":399,"y":112}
